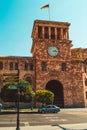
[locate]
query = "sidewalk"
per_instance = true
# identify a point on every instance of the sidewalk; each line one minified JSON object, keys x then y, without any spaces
{"x":82,"y":126}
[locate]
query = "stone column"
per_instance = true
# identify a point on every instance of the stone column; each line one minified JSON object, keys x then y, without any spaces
{"x":61,"y":35}
{"x":67,"y":35}
{"x":49,"y":32}
{"x":55,"y":33}
{"x":43,"y":32}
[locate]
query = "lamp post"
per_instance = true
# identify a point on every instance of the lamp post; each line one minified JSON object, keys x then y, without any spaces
{"x":18,"y":100}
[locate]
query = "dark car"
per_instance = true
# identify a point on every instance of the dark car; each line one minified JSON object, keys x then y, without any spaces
{"x":49,"y":109}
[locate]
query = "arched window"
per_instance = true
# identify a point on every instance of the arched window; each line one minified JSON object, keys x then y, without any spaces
{"x":43,"y":65}
{"x":63,"y":66}
{"x":29,"y":80}
{"x":1,"y":65}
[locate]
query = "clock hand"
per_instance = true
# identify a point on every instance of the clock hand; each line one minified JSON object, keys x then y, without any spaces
{"x":54,"y":50}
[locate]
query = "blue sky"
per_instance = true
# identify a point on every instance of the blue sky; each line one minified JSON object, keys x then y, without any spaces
{"x":17,"y":17}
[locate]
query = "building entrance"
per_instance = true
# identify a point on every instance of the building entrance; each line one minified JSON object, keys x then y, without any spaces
{"x":57,"y":88}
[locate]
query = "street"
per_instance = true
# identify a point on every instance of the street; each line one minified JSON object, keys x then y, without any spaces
{"x":65,"y":116}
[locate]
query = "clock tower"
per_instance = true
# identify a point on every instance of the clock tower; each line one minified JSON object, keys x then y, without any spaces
{"x":51,"y":49}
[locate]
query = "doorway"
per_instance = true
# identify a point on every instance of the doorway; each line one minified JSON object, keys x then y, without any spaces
{"x":57,"y":88}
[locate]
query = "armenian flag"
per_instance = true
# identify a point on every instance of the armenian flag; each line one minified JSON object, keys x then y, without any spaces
{"x":45,"y":6}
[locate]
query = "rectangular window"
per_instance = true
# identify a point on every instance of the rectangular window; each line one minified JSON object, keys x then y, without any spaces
{"x":31,"y":66}
{"x":58,"y":33}
{"x":11,"y":66}
{"x":1,"y":65}
{"x":40,"y":32}
{"x":43,"y":65}
{"x":86,"y":82}
{"x":46,"y":33}
{"x":16,"y":66}
{"x":63,"y":66}
{"x":52,"y":33}
{"x":86,"y":95}
{"x":26,"y":66}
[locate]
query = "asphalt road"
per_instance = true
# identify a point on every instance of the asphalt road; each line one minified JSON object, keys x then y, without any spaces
{"x":65,"y":116}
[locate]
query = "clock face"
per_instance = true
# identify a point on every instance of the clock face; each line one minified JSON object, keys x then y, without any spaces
{"x":53,"y":51}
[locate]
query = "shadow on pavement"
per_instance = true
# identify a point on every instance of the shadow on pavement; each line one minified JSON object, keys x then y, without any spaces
{"x":15,"y":112}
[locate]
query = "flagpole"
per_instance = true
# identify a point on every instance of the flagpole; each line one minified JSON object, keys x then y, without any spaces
{"x":47,"y":7}
{"x":49,"y":12}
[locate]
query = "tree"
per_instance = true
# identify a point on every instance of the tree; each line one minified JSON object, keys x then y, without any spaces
{"x":28,"y":94}
{"x":44,"y":96}
{"x":25,"y":91}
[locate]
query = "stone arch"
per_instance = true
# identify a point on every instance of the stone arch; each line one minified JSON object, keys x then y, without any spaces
{"x":28,"y":78}
{"x":56,"y":87}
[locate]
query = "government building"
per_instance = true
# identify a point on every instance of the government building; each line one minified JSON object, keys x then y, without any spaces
{"x":54,"y":65}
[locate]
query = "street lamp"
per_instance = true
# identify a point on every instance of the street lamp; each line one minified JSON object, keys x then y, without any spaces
{"x":18,"y":100}
{"x":13,"y":87}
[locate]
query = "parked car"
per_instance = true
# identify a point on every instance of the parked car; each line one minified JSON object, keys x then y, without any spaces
{"x":0,"y":105}
{"x":49,"y":109}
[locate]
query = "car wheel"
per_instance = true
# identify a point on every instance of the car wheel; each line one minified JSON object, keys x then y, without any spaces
{"x":55,"y":111}
{"x":43,"y":112}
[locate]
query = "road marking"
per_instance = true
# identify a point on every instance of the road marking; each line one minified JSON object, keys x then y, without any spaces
{"x":48,"y":115}
{"x":26,"y":123}
{"x":58,"y":120}
{"x":51,"y":117}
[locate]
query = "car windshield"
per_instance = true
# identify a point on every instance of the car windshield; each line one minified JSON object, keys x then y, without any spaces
{"x":0,"y":105}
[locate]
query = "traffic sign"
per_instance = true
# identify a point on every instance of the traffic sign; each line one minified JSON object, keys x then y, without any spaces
{"x":12,"y":87}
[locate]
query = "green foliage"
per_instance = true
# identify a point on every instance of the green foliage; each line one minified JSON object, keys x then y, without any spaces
{"x":28,"y":94}
{"x":25,"y":91}
{"x":10,"y":83}
{"x":44,"y":96}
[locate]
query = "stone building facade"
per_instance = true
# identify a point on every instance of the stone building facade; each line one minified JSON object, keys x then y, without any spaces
{"x":54,"y":64}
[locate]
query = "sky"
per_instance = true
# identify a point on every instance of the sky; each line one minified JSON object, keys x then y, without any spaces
{"x":17,"y":18}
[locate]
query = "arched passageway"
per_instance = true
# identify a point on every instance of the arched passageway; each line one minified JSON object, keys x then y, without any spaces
{"x":57,"y":88}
